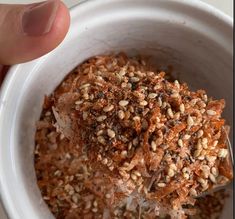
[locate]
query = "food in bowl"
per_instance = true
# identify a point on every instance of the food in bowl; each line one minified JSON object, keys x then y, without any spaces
{"x":117,"y":139}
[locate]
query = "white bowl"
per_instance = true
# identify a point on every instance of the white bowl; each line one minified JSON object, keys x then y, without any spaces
{"x":191,"y":36}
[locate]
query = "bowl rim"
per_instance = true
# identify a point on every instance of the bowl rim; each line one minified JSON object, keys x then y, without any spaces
{"x":8,"y":83}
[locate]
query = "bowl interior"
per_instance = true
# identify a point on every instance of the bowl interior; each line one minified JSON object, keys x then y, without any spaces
{"x":195,"y":40}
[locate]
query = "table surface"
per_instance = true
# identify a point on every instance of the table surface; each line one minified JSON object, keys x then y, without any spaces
{"x":224,"y":5}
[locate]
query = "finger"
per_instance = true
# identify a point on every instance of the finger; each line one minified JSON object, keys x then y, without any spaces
{"x":30,"y":31}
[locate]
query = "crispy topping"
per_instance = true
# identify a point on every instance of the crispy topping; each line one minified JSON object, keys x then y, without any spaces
{"x":118,"y":140}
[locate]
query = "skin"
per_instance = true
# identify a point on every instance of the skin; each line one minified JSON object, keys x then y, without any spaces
{"x":17,"y":47}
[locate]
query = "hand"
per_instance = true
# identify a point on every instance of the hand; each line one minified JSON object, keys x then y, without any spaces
{"x":30,"y":31}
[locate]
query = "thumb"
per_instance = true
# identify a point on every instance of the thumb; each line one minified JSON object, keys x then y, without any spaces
{"x":30,"y":31}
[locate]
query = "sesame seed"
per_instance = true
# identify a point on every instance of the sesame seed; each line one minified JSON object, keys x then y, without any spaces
{"x":159,"y":101}
{"x":193,"y":192}
{"x":85,"y":96}
{"x":170,"y":113}
{"x":121,"y":114}
{"x":200,"y":133}
{"x":164,"y":104}
{"x":100,"y":132}
{"x":129,"y":85}
{"x":211,"y":112}
{"x":205,"y":98}
{"x":101,"y":139}
{"x":108,"y":196}
{"x":223,"y":153}
{"x":109,"y":163}
{"x":75,"y":198}
{"x":123,"y":103}
{"x":177,"y":116}
{"x":215,"y":143}
{"x":99,"y":157}
{"x":153,"y":145}
{"x":48,"y":113}
{"x":173,"y":166}
{"x":84,"y":86}
{"x":204,"y":143}
{"x":212,"y":178}
{"x":140,"y":188}
{"x":94,"y":210}
{"x":202,"y":111}
{"x":101,"y":118}
{"x":85,"y":115}
{"x":177,"y":84}
{"x":186,"y":137}
{"x":182,"y":108}
{"x":110,"y":133}
{"x":201,"y":157}
{"x":78,"y":102}
{"x":99,"y":78}
{"x":88,"y":205}
{"x":143,"y":103}
{"x":122,"y":72}
{"x":152,"y":95}
{"x":57,"y":173}
{"x":136,"y":118}
{"x":135,"y":141}
{"x":215,"y":171}
{"x":111,"y":168}
{"x":167,"y":179}
{"x":108,"y":108}
{"x":95,"y":204}
{"x":197,"y":153}
{"x":202,"y":104}
{"x":116,"y":212}
{"x":134,"y":79}
{"x":137,"y":173}
{"x":193,"y":102}
{"x":190,"y":121}
{"x":124,"y":174}
{"x":161,"y":185}
{"x":171,"y":172}
{"x":129,"y":145}
{"x":126,"y":164}
{"x":134,"y":177}
{"x":98,"y":84}
{"x":186,"y":175}
{"x":105,"y":161}
{"x":157,"y":86}
{"x":127,"y":115}
{"x":186,"y":170}
{"x":123,"y":84}
{"x":124,"y":153}
{"x":145,"y":190}
{"x":202,"y":181}
{"x":199,"y":144}
{"x":180,"y":143}
{"x":206,"y":170}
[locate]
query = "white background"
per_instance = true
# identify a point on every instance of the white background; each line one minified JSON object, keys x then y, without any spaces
{"x":224,"y":5}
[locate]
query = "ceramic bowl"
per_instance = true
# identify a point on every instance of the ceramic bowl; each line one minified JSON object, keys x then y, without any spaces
{"x":191,"y":36}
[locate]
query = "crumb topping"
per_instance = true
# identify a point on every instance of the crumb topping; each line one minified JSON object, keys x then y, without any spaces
{"x":118,"y":140}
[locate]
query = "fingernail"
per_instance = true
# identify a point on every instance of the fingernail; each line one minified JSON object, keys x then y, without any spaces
{"x":38,"y":18}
